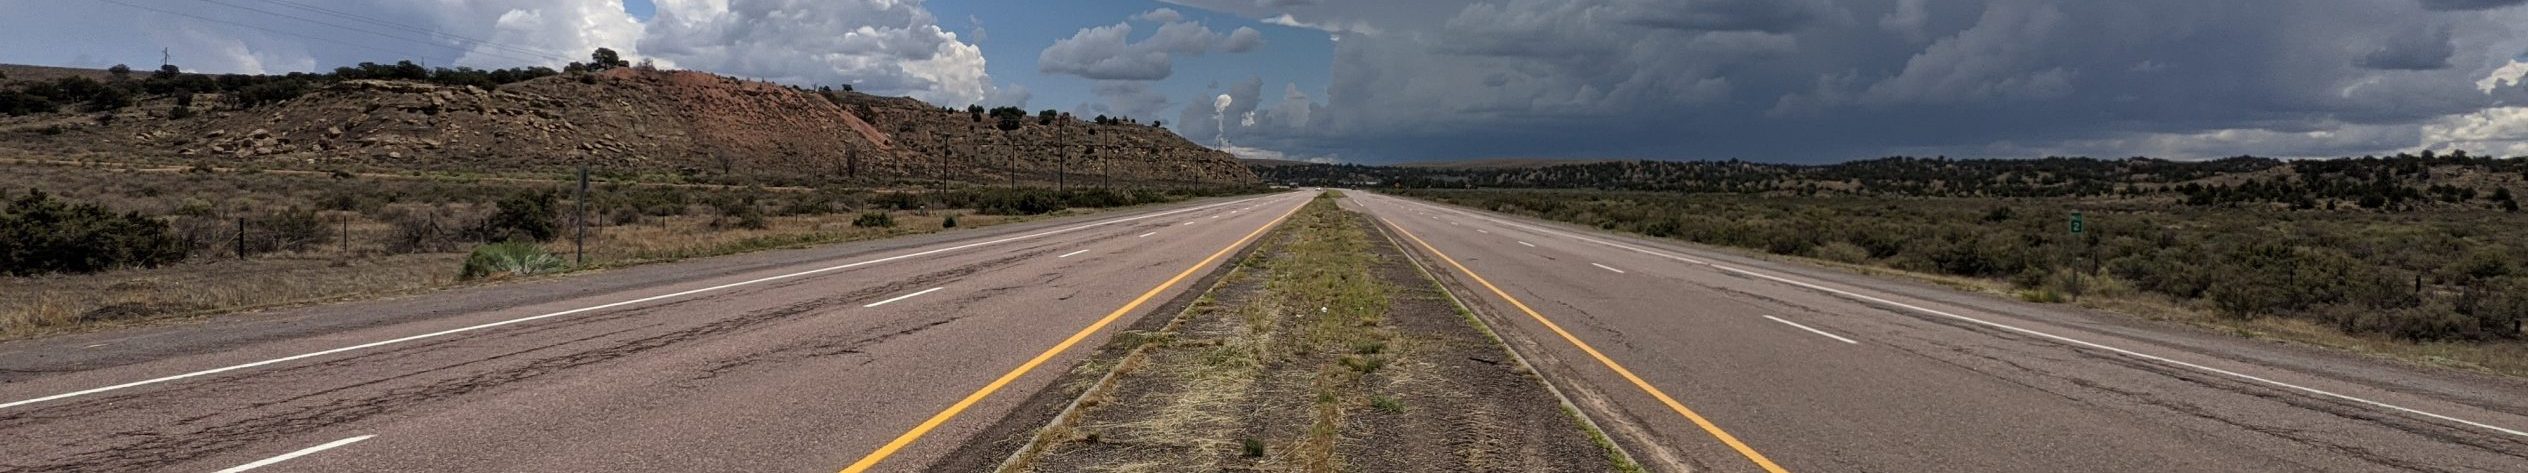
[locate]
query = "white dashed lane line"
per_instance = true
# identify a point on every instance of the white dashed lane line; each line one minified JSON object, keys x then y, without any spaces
{"x":301,"y":453}
{"x":1811,"y":330}
{"x":902,"y":297}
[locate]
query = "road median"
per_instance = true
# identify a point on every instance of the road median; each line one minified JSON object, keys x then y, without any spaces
{"x":1324,"y":349}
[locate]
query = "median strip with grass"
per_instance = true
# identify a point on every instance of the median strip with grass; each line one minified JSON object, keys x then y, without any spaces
{"x":1324,"y":350}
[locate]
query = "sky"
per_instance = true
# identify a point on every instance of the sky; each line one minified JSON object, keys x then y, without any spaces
{"x":1800,"y":81}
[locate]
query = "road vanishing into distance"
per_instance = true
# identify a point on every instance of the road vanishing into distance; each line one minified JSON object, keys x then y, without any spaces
{"x":888,"y":355}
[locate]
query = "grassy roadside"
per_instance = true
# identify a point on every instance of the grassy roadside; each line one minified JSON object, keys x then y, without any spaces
{"x":224,"y":240}
{"x":56,"y":304}
{"x":1323,"y":350}
{"x":2102,"y":291}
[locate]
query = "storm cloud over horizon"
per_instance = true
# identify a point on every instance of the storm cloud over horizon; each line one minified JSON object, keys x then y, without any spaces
{"x":1765,"y":80}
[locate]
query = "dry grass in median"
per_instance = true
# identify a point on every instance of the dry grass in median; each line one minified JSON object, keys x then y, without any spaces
{"x":1324,"y":351}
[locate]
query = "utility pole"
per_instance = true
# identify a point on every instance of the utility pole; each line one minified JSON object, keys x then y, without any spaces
{"x":579,"y":244}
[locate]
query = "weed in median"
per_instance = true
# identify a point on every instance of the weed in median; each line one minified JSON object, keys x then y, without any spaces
{"x":1251,"y":448}
{"x":1369,"y":347}
{"x":1387,"y":404}
{"x":1364,"y":363}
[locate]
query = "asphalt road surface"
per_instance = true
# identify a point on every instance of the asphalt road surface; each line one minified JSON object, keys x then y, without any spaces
{"x":1787,"y":367}
{"x":795,"y":360}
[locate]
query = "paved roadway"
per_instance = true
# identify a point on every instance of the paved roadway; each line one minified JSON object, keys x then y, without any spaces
{"x":1813,"y":370}
{"x":797,"y":360}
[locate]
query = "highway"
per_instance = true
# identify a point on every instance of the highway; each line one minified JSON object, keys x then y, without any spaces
{"x":1708,"y":360}
{"x":888,"y":355}
{"x":880,"y":355}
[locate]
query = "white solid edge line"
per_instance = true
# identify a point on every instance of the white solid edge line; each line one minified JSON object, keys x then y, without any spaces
{"x":673,"y":295}
{"x":1812,"y":330}
{"x":1608,"y":268}
{"x":902,"y":297}
{"x":2050,"y":336}
{"x":1067,"y":255}
{"x":1145,"y":235}
{"x":300,"y":453}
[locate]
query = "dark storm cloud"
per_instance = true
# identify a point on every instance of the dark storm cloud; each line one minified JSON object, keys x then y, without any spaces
{"x":1831,"y":80}
{"x":1771,"y":16}
{"x":2446,"y":5}
{"x":2413,"y":51}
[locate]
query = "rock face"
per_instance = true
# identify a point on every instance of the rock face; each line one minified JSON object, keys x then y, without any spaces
{"x":1043,"y":151}
{"x":692,"y":124}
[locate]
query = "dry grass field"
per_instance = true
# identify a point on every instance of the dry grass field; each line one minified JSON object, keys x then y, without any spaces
{"x":313,"y":237}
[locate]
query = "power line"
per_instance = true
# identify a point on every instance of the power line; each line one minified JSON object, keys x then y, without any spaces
{"x":406,"y":27}
{"x":371,"y":31}
{"x":258,"y":28}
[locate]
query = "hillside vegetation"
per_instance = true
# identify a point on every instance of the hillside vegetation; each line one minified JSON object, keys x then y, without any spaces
{"x":131,"y":196}
{"x":624,"y":121}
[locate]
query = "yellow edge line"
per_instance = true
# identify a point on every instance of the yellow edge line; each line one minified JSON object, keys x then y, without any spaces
{"x":1645,"y":386}
{"x":943,"y":416}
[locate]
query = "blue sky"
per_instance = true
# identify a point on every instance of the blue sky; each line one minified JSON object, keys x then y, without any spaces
{"x":1014,"y":31}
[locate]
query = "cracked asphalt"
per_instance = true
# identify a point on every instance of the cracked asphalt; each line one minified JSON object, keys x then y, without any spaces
{"x":791,"y":374}
{"x":1919,"y":391}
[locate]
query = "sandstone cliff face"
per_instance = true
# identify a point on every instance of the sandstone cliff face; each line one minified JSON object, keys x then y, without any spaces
{"x":631,"y":121}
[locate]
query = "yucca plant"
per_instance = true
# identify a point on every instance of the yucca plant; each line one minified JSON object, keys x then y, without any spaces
{"x":516,"y":258}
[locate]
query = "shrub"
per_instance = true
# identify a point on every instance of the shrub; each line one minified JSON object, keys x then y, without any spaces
{"x":525,"y":215}
{"x":270,"y":93}
{"x":516,"y":258}
{"x":948,"y":222}
{"x":740,"y":212}
{"x":291,"y":230}
{"x":1845,"y":252}
{"x":39,"y":235}
{"x":426,"y":230}
{"x":874,"y":220}
{"x":1017,"y":202}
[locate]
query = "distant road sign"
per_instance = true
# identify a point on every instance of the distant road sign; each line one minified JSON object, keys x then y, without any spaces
{"x":2076,"y":223}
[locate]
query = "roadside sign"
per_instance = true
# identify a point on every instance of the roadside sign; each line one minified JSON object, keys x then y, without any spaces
{"x":2076,"y":223}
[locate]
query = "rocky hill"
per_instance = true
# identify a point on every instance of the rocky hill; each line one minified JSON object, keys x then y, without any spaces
{"x":625,"y":121}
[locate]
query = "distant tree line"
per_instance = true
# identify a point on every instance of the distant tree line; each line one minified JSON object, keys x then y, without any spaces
{"x":2390,"y":183}
{"x":121,"y":90}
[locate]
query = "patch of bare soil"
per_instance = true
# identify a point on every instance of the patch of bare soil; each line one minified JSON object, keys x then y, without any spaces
{"x":1325,"y":350}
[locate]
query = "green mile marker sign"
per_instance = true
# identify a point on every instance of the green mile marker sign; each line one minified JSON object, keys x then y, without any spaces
{"x":2076,"y":223}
